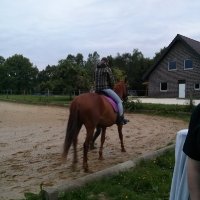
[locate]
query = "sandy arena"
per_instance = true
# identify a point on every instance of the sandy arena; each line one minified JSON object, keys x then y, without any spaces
{"x":32,"y":139}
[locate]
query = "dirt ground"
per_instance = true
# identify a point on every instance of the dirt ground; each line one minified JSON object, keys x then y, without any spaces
{"x":31,"y":141}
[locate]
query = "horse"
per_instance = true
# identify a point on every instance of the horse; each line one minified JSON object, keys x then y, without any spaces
{"x":92,"y":110}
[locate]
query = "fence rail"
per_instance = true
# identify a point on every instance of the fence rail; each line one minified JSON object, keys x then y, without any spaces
{"x":133,"y":93}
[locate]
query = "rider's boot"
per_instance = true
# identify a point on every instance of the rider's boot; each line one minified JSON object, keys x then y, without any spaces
{"x":121,"y":120}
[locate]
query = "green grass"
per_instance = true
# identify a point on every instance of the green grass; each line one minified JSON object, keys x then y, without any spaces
{"x":175,"y":111}
{"x":37,"y":99}
{"x":148,"y":180}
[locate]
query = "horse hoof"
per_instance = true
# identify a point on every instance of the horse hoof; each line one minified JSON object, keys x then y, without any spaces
{"x":123,"y":150}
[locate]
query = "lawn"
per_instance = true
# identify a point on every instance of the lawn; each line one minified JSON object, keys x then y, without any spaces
{"x":38,"y":99}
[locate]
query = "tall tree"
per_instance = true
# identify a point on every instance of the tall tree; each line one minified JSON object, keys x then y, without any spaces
{"x":158,"y":54}
{"x":21,"y":75}
{"x":79,"y":60}
{"x":91,"y":64}
{"x":2,"y":60}
{"x":3,"y":74}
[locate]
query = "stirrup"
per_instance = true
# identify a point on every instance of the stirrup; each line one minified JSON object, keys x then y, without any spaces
{"x":126,"y":121}
{"x":121,"y":120}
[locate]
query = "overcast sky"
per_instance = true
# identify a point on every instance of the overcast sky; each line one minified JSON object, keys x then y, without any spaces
{"x":46,"y":31}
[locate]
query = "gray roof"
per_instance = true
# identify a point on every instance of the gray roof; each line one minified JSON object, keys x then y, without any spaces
{"x":190,"y":43}
{"x":195,"y":45}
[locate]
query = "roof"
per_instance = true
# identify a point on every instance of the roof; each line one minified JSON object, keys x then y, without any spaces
{"x":190,"y":43}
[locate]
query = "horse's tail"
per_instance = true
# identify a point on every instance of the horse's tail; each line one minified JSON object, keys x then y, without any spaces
{"x":72,"y":130}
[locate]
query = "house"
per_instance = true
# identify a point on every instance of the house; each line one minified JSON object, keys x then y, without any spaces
{"x":176,"y":74}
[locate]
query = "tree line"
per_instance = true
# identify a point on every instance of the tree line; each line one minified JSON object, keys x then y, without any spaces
{"x":19,"y":76}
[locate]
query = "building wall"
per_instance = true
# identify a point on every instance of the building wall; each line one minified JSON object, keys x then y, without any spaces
{"x":179,"y":52}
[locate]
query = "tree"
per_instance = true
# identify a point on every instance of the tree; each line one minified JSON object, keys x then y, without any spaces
{"x":3,"y":74}
{"x":72,"y":73}
{"x":21,"y":76}
{"x":133,"y":67}
{"x":79,"y":60}
{"x":158,"y":54}
{"x":2,"y":60}
{"x":46,"y":78}
{"x":91,"y":64}
{"x":118,"y":74}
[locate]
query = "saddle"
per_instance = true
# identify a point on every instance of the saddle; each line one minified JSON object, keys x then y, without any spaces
{"x":113,"y":104}
{"x":120,"y":119}
{"x":110,"y":100}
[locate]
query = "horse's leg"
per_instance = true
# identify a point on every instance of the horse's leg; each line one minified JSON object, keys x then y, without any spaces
{"x":96,"y":135}
{"x":75,"y":158}
{"x":102,"y":142}
{"x":86,"y":144}
{"x":119,"y":127}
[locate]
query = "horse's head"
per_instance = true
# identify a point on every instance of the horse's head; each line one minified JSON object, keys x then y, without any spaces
{"x":121,"y":89}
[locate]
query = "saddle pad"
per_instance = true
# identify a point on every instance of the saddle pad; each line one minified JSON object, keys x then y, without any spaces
{"x":114,"y":105}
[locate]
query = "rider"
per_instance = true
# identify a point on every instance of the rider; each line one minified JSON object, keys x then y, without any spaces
{"x":104,"y":82}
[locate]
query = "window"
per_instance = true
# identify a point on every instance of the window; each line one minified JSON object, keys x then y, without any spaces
{"x":163,"y":86}
{"x":197,"y":86}
{"x":188,"y":64}
{"x":172,"y":65}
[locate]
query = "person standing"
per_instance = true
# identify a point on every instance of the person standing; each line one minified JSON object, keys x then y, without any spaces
{"x":192,"y":149}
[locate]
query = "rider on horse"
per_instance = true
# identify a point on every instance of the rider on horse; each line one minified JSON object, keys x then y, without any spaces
{"x":104,"y":82}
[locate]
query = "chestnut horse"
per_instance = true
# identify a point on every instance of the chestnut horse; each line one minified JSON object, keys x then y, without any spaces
{"x":92,"y":110}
